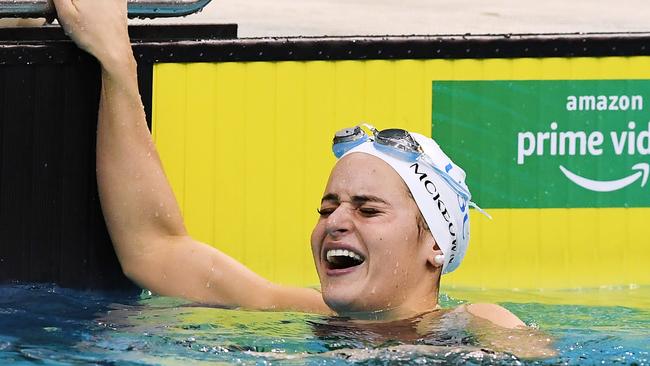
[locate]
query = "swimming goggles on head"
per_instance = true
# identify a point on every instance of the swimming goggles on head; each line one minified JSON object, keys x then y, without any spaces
{"x":397,"y":143}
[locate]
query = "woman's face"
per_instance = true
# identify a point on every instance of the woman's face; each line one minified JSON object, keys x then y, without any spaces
{"x":367,"y":248}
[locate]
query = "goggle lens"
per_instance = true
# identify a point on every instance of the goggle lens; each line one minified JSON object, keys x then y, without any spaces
{"x":399,"y":143}
{"x":347,"y":139}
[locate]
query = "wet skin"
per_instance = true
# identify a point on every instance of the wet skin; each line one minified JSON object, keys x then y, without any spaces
{"x":366,"y":208}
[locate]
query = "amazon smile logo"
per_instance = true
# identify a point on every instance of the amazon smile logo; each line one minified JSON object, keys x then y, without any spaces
{"x":609,"y":185}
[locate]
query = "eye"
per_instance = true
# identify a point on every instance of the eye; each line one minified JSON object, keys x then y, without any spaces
{"x":369,"y":211}
{"x":325,"y":212}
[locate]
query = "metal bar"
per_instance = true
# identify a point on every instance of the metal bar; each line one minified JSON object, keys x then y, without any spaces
{"x":136,"y":8}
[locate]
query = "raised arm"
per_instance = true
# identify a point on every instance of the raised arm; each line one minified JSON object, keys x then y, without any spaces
{"x":141,"y":212}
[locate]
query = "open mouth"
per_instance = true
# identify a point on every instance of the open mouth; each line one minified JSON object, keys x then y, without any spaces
{"x":343,"y":258}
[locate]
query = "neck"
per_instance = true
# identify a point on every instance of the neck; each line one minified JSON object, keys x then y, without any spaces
{"x":406,"y":310}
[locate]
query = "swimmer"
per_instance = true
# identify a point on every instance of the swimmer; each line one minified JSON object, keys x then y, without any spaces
{"x":387,"y":231}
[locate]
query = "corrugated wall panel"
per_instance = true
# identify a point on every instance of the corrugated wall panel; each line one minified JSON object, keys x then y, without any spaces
{"x":261,"y":147}
{"x":51,"y":226}
{"x":247,"y":148}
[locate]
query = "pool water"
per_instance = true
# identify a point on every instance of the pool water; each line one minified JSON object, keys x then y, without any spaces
{"x":44,"y":324}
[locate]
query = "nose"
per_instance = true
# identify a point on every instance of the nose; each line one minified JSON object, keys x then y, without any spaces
{"x":340,"y":221}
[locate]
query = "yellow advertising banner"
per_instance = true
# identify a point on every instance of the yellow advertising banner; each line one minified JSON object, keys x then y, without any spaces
{"x":247,"y":148}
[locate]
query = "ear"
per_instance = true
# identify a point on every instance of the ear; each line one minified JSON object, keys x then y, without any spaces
{"x":435,"y":257}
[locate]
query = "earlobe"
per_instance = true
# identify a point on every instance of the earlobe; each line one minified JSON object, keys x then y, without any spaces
{"x":436,"y":258}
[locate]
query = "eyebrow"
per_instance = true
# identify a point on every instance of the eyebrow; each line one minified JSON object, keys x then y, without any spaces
{"x":357,"y":200}
{"x":330,"y":197}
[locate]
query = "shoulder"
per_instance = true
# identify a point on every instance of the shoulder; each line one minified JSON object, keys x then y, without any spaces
{"x":495,"y":314}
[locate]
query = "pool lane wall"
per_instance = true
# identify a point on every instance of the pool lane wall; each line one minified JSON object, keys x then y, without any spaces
{"x":244,"y":130}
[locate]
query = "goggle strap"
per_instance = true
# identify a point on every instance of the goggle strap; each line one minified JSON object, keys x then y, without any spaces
{"x":460,"y":190}
{"x":370,"y":127}
{"x":472,"y":204}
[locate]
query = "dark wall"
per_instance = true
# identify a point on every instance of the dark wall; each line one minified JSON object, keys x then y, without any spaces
{"x":51,"y":225}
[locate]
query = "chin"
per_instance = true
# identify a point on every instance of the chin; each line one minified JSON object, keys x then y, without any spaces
{"x":350,"y":292}
{"x":342,"y":300}
{"x":355,"y":303}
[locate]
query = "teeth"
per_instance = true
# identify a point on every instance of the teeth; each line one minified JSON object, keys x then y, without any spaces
{"x":343,"y":253}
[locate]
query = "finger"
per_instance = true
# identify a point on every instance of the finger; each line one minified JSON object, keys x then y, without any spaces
{"x":65,"y":10}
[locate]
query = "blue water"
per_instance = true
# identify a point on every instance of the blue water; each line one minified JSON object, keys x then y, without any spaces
{"x":48,"y":325}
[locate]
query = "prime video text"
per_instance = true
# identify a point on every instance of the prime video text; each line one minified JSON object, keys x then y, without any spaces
{"x":555,"y":142}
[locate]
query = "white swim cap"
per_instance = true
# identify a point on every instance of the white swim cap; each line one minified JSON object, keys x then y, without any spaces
{"x":444,"y":210}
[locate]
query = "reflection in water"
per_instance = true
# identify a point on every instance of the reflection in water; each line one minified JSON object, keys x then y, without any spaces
{"x":44,"y":323}
{"x":437,"y":328}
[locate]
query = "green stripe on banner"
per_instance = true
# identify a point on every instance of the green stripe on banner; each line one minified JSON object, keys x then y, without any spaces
{"x":548,"y":143}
